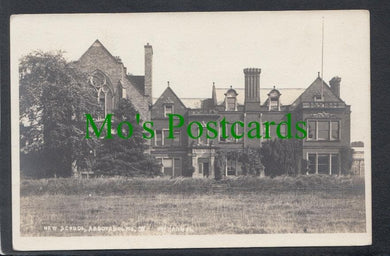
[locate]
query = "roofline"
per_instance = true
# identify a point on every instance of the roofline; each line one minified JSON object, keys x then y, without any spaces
{"x":104,"y":48}
{"x":262,"y":88}
{"x":173,"y":94}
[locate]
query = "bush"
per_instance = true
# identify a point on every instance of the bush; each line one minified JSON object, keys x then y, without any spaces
{"x":346,"y":154}
{"x":240,"y":184}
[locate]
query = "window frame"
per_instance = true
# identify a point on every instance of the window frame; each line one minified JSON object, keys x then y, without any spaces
{"x":330,"y":131}
{"x":234,"y":99}
{"x":165,"y":109}
{"x":327,"y":125}
{"x":330,"y":159}
{"x":162,"y":138}
{"x":172,"y":141}
{"x":276,"y":106}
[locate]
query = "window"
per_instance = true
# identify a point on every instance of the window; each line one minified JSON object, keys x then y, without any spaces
{"x":167,"y":166}
{"x":323,"y":130}
{"x":158,"y":140}
{"x":335,"y":164}
{"x":171,"y":166}
{"x":274,"y":105}
{"x":171,"y":142}
{"x":334,"y":130}
{"x":323,"y":163}
{"x":312,"y":162}
{"x":102,"y":104}
{"x":99,"y":81}
{"x":317,"y":98}
{"x":231,"y":100}
{"x":273,"y":100}
{"x":166,"y":140}
{"x":168,"y":109}
{"x":312,"y":128}
{"x":231,"y":104}
{"x":230,"y":138}
{"x":176,"y":140}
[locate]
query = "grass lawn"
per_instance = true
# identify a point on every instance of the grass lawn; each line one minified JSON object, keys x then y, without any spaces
{"x":293,"y":205}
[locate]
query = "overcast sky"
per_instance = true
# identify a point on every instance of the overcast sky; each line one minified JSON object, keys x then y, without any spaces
{"x":191,"y":50}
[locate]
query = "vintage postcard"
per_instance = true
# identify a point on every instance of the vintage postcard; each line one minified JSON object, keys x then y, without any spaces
{"x":191,"y":130}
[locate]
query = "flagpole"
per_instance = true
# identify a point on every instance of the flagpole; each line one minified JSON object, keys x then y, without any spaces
{"x":322,"y":61}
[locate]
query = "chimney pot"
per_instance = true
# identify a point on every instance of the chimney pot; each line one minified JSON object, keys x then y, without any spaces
{"x":335,"y":85}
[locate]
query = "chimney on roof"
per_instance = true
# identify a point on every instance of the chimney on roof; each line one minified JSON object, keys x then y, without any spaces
{"x":252,"y":86}
{"x":148,"y":71}
{"x":335,"y":85}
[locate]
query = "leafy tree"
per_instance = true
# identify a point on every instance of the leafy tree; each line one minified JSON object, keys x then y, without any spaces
{"x":53,"y":99}
{"x":118,"y":156}
{"x":280,"y":157}
{"x":346,"y":155}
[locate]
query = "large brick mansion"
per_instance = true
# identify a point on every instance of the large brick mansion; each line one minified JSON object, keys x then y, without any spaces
{"x":319,"y":104}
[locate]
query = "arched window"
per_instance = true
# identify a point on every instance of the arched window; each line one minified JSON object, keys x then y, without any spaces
{"x":104,"y":93}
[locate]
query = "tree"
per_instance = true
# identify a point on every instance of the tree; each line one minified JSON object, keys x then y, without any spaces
{"x":281,"y":157}
{"x":54,"y":96}
{"x":346,"y":155}
{"x":126,"y":157}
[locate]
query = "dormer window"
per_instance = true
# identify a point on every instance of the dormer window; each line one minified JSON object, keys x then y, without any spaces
{"x":231,"y":104}
{"x":231,"y":100}
{"x":168,"y":109}
{"x":274,"y":105}
{"x":273,"y":100}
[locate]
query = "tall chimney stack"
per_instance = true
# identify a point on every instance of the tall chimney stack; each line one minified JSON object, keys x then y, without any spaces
{"x":252,"y":88}
{"x":335,"y":85}
{"x":148,"y":71}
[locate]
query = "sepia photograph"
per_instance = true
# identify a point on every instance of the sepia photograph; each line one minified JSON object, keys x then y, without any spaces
{"x":191,"y":130}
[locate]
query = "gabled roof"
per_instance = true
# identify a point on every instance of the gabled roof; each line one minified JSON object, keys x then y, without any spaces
{"x":166,"y":97}
{"x":98,"y":44}
{"x":315,"y":89}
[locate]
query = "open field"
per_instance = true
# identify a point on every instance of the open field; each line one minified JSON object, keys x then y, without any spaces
{"x":119,"y":206}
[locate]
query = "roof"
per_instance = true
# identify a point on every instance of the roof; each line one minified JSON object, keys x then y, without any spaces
{"x":165,"y":97}
{"x":138,"y":82}
{"x":288,"y":95}
{"x":317,"y":88}
{"x":98,"y":44}
{"x":193,"y":102}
